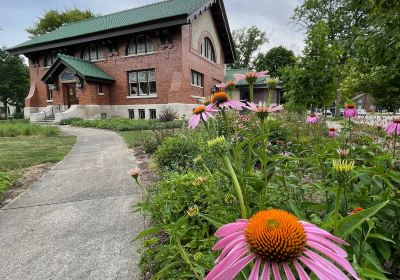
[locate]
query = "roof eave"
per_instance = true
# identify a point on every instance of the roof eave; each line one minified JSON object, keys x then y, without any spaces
{"x":162,"y":23}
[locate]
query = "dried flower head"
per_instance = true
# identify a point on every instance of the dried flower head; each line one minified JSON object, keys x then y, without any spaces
{"x":199,"y":181}
{"x":135,"y":172}
{"x":229,"y":198}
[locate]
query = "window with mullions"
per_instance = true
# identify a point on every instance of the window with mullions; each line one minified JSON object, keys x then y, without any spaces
{"x":50,"y":59}
{"x":153,"y":114}
{"x":131,"y":114}
{"x":142,"y":83}
{"x":141,"y":44}
{"x":49,"y":92}
{"x":207,"y":49}
{"x":197,"y":79}
{"x":94,"y":52}
{"x":142,"y":114}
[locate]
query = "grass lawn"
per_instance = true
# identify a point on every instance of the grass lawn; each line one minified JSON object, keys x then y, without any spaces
{"x":135,"y":138}
{"x":17,"y":153}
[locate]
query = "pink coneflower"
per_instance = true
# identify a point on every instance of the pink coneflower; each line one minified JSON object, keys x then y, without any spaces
{"x":350,"y":111}
{"x":275,"y":240}
{"x":263,"y":111}
{"x":393,"y":127}
{"x":201,"y":113}
{"x":250,"y":77}
{"x":332,"y":133}
{"x":229,"y":85}
{"x":312,"y":119}
{"x":222,"y":101}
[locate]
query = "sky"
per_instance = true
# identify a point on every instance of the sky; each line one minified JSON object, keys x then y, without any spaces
{"x":272,"y":16}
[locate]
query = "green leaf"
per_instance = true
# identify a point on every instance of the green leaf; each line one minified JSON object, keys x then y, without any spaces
{"x":167,"y":268}
{"x":348,"y":224}
{"x":374,"y":261}
{"x":152,"y":230}
{"x":215,"y":221}
{"x":381,"y":236}
{"x":296,"y":210}
{"x":371,"y":274}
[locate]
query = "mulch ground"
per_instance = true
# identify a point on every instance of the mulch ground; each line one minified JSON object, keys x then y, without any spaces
{"x":29,"y":176}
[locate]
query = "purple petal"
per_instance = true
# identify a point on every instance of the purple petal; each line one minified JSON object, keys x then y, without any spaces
{"x":313,"y":238}
{"x":288,"y":272}
{"x":235,"y":268}
{"x":239,"y":243}
{"x":275,"y":269}
{"x":266,"y":271}
{"x":230,"y":228}
{"x":317,"y":258}
{"x":319,"y":271}
{"x":226,"y":263}
{"x":226,"y":240}
{"x":194,"y":121}
{"x":256,"y":270}
{"x":310,"y":228}
{"x":338,"y":259}
{"x":300,"y":271}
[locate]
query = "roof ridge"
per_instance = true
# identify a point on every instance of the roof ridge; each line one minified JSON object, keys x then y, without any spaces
{"x":114,"y":13}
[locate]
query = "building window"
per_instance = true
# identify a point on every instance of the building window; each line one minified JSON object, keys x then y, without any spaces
{"x":49,"y":92}
{"x":197,"y":79}
{"x":131,"y":113}
{"x":100,"y":89}
{"x":93,"y":53}
{"x":142,"y":114}
{"x":142,"y":83}
{"x":50,"y":59}
{"x":153,"y":114}
{"x":207,"y":49}
{"x":141,"y":44}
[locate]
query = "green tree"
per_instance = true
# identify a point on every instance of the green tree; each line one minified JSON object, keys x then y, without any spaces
{"x":247,"y":41}
{"x":53,"y":19}
{"x":14,"y":82}
{"x":275,"y":60}
{"x":311,"y":82}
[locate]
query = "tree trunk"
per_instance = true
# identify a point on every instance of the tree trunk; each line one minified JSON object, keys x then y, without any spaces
{"x":338,"y":101}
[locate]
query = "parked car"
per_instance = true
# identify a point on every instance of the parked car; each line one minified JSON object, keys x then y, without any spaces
{"x":362,"y":112}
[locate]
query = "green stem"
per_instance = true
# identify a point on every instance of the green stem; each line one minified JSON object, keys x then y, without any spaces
{"x":394,"y":143}
{"x":227,"y":128}
{"x":236,"y":184}
{"x":208,"y":170}
{"x":251,"y":91}
{"x":206,"y":126}
{"x":336,"y":214}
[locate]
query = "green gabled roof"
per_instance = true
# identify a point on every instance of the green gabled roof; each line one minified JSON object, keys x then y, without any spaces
{"x":261,"y":82}
{"x":152,"y":12}
{"x":83,"y":68}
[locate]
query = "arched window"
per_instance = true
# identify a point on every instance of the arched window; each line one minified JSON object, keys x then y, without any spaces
{"x":207,"y":49}
{"x":50,"y":59}
{"x":141,"y":44}
{"x":94,"y":52}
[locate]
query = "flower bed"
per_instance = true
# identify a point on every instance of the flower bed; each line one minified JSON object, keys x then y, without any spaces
{"x":251,"y":191}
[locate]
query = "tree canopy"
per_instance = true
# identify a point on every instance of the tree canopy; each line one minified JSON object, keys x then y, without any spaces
{"x":247,"y":41}
{"x":311,"y":83}
{"x":53,"y":19}
{"x":14,"y":82}
{"x":275,"y":60}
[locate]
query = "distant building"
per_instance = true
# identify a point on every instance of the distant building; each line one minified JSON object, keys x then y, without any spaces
{"x":365,"y":101}
{"x":131,"y":63}
{"x":261,"y":90}
{"x":10,"y":110}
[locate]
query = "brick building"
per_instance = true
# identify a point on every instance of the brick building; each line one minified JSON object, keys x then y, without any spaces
{"x":131,"y":63}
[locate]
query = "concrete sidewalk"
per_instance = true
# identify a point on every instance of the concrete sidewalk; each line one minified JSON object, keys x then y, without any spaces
{"x":76,"y":222}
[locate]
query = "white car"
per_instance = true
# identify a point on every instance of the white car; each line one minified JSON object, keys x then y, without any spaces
{"x":361,"y":112}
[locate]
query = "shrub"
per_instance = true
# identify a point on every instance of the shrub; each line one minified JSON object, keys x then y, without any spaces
{"x":179,"y":151}
{"x":127,"y":124}
{"x":18,"y":115}
{"x":69,"y":121}
{"x":6,"y":181}
{"x":17,"y":128}
{"x":168,"y":114}
{"x":151,"y":143}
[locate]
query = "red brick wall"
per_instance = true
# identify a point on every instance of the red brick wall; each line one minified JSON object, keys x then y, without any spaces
{"x":173,"y":64}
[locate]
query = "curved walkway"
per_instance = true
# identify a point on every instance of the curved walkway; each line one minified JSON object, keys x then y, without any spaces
{"x":76,"y":222}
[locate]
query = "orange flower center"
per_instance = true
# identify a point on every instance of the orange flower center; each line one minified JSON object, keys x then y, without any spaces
{"x":397,"y":120}
{"x":350,"y":106}
{"x":219,"y":97}
{"x":332,"y":129}
{"x":199,"y":110}
{"x":313,"y":115}
{"x":275,"y":236}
